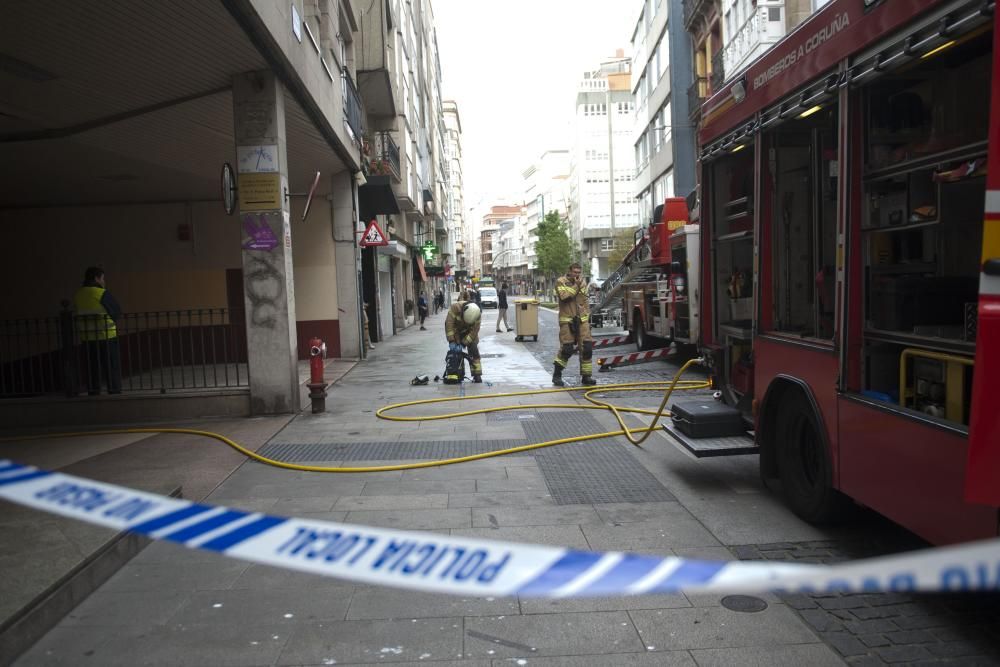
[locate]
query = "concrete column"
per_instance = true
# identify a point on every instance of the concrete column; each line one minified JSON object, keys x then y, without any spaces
{"x":269,"y":294}
{"x":348,"y":259}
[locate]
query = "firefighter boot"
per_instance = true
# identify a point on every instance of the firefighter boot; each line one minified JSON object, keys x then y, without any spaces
{"x":557,"y":376}
{"x":478,"y":379}
{"x":588,"y":380}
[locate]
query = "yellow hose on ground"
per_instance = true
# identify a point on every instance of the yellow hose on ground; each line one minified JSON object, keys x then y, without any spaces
{"x":676,"y":383}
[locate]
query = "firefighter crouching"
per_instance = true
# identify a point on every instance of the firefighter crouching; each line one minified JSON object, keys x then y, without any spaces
{"x":461,"y":326}
{"x":574,"y":326}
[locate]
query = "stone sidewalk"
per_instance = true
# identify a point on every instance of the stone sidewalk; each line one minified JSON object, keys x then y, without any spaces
{"x":177,"y":607}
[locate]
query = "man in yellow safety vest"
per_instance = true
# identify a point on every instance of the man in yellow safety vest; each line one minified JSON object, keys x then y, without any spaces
{"x":97,"y":314}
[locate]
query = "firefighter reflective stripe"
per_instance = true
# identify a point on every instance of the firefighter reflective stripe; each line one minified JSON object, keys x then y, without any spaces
{"x":993,"y":202}
{"x":90,"y":324}
{"x":566,"y":291}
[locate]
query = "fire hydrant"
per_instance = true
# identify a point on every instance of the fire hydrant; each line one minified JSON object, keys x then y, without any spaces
{"x":317,"y":385}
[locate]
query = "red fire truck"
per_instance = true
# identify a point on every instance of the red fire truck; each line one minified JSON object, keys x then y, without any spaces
{"x":851,"y":306}
{"x":655,"y":288}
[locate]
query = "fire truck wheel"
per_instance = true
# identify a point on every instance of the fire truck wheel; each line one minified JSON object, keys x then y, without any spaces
{"x":803,"y":463}
{"x":641,"y":338}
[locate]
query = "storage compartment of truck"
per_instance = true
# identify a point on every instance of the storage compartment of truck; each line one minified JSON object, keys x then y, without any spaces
{"x":707,"y":418}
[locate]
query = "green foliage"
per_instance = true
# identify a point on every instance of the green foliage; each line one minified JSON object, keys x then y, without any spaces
{"x":554,"y":249}
{"x":624,"y":240}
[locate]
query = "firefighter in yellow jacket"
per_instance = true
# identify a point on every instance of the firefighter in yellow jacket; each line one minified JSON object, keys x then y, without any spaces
{"x":574,"y":326}
{"x":461,"y":326}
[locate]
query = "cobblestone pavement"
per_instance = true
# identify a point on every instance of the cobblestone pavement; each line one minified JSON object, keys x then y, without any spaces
{"x":878,"y":629}
{"x":890,"y":628}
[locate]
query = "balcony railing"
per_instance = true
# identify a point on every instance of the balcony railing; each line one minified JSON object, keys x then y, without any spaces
{"x":691,"y":10}
{"x":155,"y":352}
{"x":696,"y":95}
{"x":352,"y":105}
{"x":718,"y":71}
{"x":386,"y":158}
{"x":755,"y":35}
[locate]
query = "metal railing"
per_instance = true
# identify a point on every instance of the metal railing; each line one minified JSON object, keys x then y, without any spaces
{"x":696,"y":95}
{"x":352,"y":105}
{"x":386,"y":159}
{"x":756,"y":34}
{"x":718,"y":77}
{"x":177,"y":350}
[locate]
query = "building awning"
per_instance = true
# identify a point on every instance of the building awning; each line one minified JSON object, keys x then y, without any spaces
{"x":394,"y":248}
{"x":420,"y":268}
{"x":376,"y":198}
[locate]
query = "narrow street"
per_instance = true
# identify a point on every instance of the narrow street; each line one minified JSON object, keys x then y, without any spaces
{"x":173,"y":606}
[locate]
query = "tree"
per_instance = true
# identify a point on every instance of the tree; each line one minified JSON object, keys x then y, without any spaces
{"x":553,"y":248}
{"x":624,"y":241}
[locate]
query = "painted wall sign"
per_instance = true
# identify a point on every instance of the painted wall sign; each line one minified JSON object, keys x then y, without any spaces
{"x":259,"y":231}
{"x":257,"y":159}
{"x":260,"y":192}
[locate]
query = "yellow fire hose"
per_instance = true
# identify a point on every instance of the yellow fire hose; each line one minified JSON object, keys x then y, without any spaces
{"x":597,"y":404}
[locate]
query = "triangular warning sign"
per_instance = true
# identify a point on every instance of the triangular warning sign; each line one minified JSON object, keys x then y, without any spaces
{"x":373,"y":236}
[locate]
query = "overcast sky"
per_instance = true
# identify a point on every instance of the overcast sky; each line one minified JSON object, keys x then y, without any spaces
{"x":512,"y":66}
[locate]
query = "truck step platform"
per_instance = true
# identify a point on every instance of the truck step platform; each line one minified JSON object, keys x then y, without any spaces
{"x":707,"y":447}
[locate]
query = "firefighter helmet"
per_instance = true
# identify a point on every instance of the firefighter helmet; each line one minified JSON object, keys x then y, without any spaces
{"x":470,"y":313}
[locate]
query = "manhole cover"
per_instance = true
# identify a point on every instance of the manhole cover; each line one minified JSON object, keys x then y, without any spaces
{"x":746,"y":603}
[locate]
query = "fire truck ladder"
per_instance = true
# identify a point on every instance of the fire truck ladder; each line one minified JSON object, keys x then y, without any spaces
{"x":613,"y":289}
{"x":610,"y":363}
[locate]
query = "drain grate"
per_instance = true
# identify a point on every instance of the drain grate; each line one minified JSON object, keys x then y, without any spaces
{"x":600,"y":471}
{"x":554,"y":425}
{"x":383,"y":451}
{"x":512,"y":416}
{"x":744,"y":603}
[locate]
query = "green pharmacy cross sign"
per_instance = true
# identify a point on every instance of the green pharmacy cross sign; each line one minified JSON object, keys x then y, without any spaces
{"x":429,"y":251}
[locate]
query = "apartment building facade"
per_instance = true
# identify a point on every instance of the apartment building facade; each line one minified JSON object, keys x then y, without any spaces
{"x":407,"y":191}
{"x":545,"y":186}
{"x":602,"y":166}
{"x":456,"y":189}
{"x":661,"y":77}
{"x":333,"y":103}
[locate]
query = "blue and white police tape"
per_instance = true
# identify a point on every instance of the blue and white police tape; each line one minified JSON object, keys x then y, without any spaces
{"x":465,"y":566}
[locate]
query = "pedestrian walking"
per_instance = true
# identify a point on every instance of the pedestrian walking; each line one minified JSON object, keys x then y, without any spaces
{"x":97,"y":316}
{"x":461,"y":327}
{"x":438,"y":301}
{"x":422,"y":309}
{"x":502,"y":308}
{"x":364,"y":326}
{"x":574,"y":326}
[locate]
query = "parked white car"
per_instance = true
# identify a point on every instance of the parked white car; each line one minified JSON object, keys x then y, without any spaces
{"x":488,"y":297}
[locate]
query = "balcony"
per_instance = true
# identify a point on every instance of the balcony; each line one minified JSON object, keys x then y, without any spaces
{"x":763,"y":28}
{"x":692,"y":10}
{"x":718,"y":71}
{"x":385,"y":156}
{"x":696,"y":95}
{"x":375,"y":66}
{"x":352,"y":106}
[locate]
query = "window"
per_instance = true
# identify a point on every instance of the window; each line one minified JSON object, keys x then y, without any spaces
{"x":607,"y":245}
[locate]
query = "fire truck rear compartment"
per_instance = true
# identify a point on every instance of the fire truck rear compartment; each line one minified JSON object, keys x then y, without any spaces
{"x":922,"y":228}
